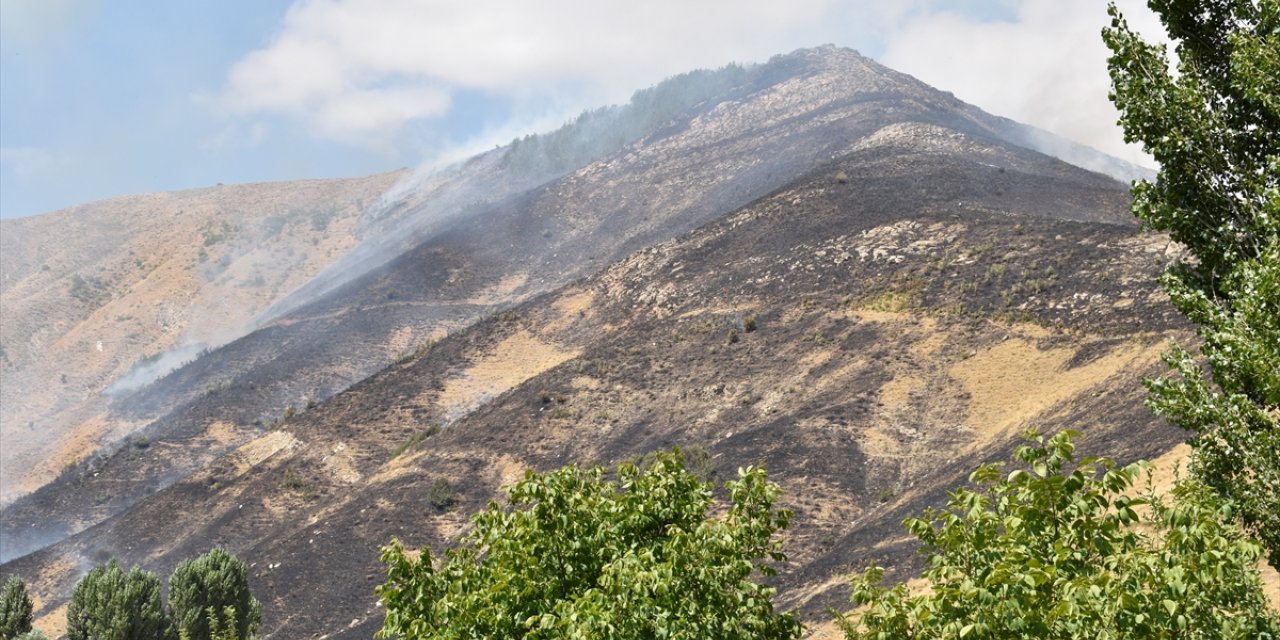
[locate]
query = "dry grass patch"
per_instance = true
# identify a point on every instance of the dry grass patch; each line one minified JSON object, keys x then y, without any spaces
{"x":517,"y":358}
{"x":1015,"y":380}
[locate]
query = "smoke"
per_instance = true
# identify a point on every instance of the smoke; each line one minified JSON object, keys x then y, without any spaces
{"x":153,"y":368}
{"x":428,"y":199}
{"x":1046,"y":66}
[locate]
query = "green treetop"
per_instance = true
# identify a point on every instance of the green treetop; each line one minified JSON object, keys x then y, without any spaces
{"x":210,"y":592}
{"x":1054,"y":549}
{"x":108,"y":604}
{"x":574,"y":555}
{"x":15,"y":609}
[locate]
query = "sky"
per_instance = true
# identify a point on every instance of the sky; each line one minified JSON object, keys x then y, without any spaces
{"x":101,"y":98}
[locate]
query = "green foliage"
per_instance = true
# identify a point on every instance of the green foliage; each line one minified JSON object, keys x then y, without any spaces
{"x":1053,"y":550}
{"x":15,"y":609}
{"x":1214,"y":127}
{"x":415,"y":440}
{"x":601,"y":131}
{"x":221,"y":626}
{"x":294,"y":481}
{"x":203,"y":586}
{"x":440,"y":495}
{"x":91,"y":291}
{"x":32,"y":635}
{"x":574,"y":555}
{"x":108,"y":604}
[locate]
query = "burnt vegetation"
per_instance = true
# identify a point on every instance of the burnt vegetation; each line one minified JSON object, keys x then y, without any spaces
{"x":838,"y":313}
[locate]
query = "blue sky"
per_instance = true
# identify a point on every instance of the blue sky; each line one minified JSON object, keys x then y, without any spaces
{"x":103,"y":98}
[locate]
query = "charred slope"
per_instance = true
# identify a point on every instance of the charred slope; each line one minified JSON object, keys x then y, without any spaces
{"x":914,"y":305}
{"x":784,"y":119}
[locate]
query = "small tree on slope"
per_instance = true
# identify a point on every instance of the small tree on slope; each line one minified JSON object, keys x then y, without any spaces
{"x":15,"y":609}
{"x":576,"y":556}
{"x":1214,"y":127}
{"x":108,"y":604}
{"x":203,"y":589}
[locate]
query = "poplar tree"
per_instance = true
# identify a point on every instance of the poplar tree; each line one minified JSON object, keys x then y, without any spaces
{"x":1212,"y":121}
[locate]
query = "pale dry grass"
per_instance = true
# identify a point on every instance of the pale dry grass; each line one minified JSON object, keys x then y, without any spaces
{"x":1014,"y":381}
{"x":501,"y":292}
{"x":258,"y":450}
{"x":517,"y":358}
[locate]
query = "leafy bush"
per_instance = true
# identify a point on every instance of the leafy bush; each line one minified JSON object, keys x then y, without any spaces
{"x":576,"y":555}
{"x":440,"y":495}
{"x":108,"y":604}
{"x":1054,"y":550}
{"x":210,"y":594}
{"x":15,"y":609}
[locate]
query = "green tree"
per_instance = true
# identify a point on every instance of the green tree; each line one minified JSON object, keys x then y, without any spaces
{"x":214,"y":582}
{"x":575,"y":555}
{"x":108,"y":604}
{"x":1051,"y":550}
{"x":222,"y":626}
{"x":15,"y":609}
{"x":1214,"y":127}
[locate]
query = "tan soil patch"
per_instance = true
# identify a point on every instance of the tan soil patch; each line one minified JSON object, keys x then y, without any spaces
{"x":508,"y":470}
{"x":50,"y":460}
{"x":402,"y":465}
{"x":221,"y":431}
{"x":401,"y":341}
{"x":253,"y":453}
{"x":517,"y":358}
{"x":883,"y":317}
{"x":930,"y":345}
{"x":54,"y":623}
{"x":500,"y":292}
{"x":896,"y":393}
{"x":876,"y":442}
{"x":744,"y":309}
{"x":1015,"y":380}
{"x":569,"y":307}
{"x":585,"y":382}
{"x":573,"y":303}
{"x":340,"y":465}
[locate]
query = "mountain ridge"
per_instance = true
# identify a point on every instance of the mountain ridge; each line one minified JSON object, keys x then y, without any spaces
{"x":919,"y":289}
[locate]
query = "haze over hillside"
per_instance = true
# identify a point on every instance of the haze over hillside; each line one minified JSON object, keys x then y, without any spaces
{"x":921,"y":282}
{"x":109,"y":295}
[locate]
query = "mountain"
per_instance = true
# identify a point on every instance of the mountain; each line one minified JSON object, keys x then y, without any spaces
{"x":827,"y":267}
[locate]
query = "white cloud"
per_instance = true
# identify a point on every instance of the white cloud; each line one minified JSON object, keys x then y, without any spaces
{"x":1047,"y":67}
{"x":334,"y":63}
